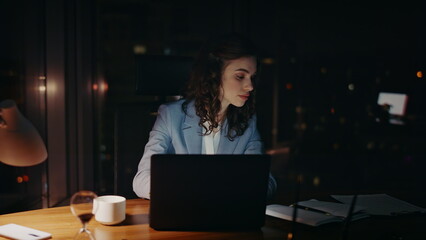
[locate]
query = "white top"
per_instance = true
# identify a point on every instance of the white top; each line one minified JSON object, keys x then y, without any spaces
{"x":210,"y":141}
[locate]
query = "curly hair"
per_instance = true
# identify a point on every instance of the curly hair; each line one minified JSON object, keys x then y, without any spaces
{"x":206,"y":81}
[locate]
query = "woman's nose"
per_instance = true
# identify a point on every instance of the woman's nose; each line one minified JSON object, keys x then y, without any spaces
{"x":248,"y":85}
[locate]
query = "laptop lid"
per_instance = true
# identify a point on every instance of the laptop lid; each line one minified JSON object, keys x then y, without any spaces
{"x":202,"y":192}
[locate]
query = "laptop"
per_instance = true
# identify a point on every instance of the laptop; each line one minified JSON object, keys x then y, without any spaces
{"x":208,"y":192}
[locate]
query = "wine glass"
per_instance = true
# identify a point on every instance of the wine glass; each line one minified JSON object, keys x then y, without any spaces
{"x":82,"y":207}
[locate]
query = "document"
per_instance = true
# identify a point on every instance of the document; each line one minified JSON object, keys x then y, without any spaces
{"x":303,"y":216}
{"x":334,"y":208}
{"x":315,"y":213}
{"x":381,"y":204}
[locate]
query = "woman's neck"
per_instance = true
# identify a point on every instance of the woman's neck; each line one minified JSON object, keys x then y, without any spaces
{"x":221,"y":116}
{"x":222,"y":113}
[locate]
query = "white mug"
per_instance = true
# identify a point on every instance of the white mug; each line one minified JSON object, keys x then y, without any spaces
{"x":110,"y":209}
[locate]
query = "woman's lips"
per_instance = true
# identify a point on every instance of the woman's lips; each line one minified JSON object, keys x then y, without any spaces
{"x":244,"y":97}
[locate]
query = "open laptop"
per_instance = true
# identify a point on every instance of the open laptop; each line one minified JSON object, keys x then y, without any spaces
{"x":208,"y":192}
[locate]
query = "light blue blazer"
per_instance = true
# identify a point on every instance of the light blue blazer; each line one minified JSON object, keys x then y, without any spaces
{"x":175,"y":132}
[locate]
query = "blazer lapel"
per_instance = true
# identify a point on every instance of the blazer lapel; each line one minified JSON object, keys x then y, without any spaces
{"x":226,"y":146}
{"x":192,"y":131}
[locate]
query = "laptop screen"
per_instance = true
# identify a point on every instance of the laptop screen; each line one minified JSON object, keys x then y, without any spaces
{"x":397,"y":102}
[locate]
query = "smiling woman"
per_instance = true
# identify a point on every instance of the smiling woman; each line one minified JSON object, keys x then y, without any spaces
{"x":218,"y":110}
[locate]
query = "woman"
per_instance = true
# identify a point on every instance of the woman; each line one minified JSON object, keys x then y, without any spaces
{"x":217,"y":114}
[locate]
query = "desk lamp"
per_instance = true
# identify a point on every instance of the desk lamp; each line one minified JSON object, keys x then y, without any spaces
{"x":20,"y":143}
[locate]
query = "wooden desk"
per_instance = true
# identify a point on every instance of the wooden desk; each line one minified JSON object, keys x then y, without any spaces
{"x":63,"y":225}
{"x":60,"y":222}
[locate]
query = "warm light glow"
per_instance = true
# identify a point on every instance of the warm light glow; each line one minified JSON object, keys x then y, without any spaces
{"x":42,"y":86}
{"x":26,"y":178}
{"x":21,"y":145}
{"x":139,"y":49}
{"x":332,"y":110}
{"x":52,"y":87}
{"x":19,"y":179}
{"x":351,"y":87}
{"x":289,"y":86}
{"x":290,"y":236}
{"x":104,"y":87}
{"x":268,"y":61}
{"x":301,"y":126}
{"x":277,"y":151}
{"x":419,"y":74}
{"x":316,"y":181}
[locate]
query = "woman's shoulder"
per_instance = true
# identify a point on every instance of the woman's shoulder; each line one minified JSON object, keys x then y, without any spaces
{"x":174,"y":104}
{"x":252,"y":122}
{"x":174,"y":107}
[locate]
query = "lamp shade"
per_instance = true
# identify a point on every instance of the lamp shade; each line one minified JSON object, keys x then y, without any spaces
{"x":20,"y":143}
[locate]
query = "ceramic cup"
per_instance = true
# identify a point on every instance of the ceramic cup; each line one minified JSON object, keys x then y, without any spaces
{"x":110,"y":209}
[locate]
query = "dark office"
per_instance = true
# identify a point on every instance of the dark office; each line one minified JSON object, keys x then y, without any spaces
{"x":339,"y":91}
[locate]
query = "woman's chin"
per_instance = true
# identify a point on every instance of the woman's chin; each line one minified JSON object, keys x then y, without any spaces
{"x":238,"y":104}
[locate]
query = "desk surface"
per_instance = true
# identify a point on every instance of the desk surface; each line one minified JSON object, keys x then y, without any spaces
{"x":60,"y":222}
{"x":63,"y":225}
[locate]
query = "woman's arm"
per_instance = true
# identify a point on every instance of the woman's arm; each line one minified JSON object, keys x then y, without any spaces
{"x":158,"y":143}
{"x":254,"y":144}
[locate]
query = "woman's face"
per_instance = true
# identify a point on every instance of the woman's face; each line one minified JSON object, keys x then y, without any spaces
{"x":237,"y":81}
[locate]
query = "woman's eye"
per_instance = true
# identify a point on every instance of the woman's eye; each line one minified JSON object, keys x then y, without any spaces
{"x":240,"y":77}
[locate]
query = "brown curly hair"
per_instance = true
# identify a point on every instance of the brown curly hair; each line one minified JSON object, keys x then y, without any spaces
{"x":206,"y":80}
